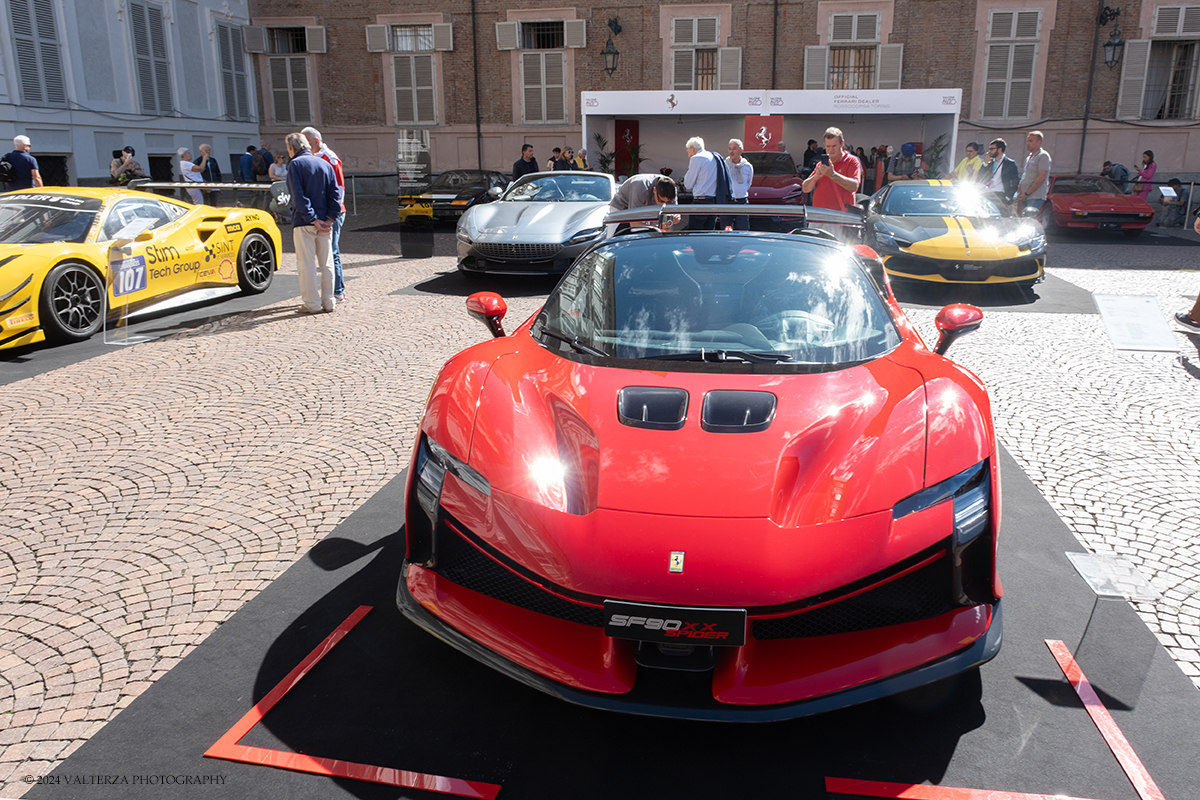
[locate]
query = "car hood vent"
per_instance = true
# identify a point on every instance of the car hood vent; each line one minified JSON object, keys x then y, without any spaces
{"x":653,"y":407}
{"x":737,"y":412}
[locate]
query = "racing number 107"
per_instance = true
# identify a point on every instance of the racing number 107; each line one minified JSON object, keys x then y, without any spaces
{"x":130,"y":276}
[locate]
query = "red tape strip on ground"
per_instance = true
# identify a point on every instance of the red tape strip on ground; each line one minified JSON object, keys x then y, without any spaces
{"x":1138,"y":775}
{"x":227,"y":746}
{"x":910,"y":791}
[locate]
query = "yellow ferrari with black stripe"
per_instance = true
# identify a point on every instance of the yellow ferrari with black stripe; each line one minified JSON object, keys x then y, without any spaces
{"x":943,"y":232}
{"x":72,"y":258}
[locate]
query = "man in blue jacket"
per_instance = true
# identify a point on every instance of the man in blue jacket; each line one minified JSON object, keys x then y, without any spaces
{"x":316,"y":200}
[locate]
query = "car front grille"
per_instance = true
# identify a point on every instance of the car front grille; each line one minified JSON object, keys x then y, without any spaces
{"x":964,"y":269}
{"x":463,"y":563}
{"x":516,"y":251}
{"x":921,"y":594}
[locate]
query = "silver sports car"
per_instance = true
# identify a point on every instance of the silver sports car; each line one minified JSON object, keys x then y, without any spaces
{"x":539,"y":226}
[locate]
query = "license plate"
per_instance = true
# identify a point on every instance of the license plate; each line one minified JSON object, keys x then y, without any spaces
{"x":1110,"y":226}
{"x":722,"y":627}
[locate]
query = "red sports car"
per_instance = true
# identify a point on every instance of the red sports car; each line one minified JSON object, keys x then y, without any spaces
{"x":1095,"y":202}
{"x":718,"y":476}
{"x":775,"y":178}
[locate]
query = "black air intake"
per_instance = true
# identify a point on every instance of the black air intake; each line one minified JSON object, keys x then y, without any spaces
{"x":737,"y":412}
{"x":652,"y":407}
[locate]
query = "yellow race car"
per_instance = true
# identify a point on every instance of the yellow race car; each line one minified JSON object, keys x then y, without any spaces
{"x":944,"y":232}
{"x":70,"y":257}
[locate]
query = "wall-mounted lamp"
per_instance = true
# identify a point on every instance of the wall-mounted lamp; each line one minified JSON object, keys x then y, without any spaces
{"x":1115,"y":46}
{"x":610,"y":52}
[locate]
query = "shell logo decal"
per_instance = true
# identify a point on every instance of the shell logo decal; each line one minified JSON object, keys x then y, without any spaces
{"x":226,"y":270}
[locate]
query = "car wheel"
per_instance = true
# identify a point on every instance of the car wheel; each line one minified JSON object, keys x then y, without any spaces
{"x":73,"y":302}
{"x":1049,"y":225}
{"x":256,"y":264}
{"x":1133,"y":234}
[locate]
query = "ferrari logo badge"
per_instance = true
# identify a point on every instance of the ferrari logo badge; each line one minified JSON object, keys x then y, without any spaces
{"x":676,"y":561}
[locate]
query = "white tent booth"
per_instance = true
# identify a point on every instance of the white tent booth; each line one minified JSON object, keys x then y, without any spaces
{"x":662,"y":121}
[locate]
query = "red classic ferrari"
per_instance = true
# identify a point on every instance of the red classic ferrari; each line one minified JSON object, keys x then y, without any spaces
{"x":717,"y":476}
{"x":1093,"y":202}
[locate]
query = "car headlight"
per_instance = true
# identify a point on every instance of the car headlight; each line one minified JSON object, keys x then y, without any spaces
{"x":586,"y":235}
{"x":463,"y":235}
{"x":1026,"y":237}
{"x":433,"y":462}
{"x":970,"y":549}
{"x":887,"y":240}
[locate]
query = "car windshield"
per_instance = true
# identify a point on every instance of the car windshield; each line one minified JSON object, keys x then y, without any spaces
{"x":771,"y":163}
{"x":565,"y":188}
{"x":35,"y":219}
{"x":942,"y":200}
{"x":1083,"y":184}
{"x":461,"y":179}
{"x":719,"y":299}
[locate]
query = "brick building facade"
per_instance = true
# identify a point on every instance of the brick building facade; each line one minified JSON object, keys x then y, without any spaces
{"x":1020,"y":64}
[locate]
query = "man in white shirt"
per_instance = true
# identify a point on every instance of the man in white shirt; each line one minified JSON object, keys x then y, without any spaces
{"x":701,"y":178}
{"x":741,"y":173}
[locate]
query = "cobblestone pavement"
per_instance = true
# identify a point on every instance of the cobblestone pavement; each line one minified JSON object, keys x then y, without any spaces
{"x":146,"y":494}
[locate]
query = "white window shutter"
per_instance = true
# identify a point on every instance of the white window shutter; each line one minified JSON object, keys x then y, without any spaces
{"x":301,"y":101}
{"x":575,"y":33}
{"x":281,"y":98}
{"x":708,"y":30}
{"x":866,"y":28}
{"x":556,"y":90}
{"x":314,"y":38}
{"x":1020,"y":92}
{"x":1166,"y":20}
{"x":531,"y":86}
{"x":683,"y":31}
{"x":254,"y":38}
{"x":891,"y":62}
{"x":377,"y":38}
{"x":683,"y":70}
{"x":443,"y":36}
{"x":729,"y":68}
{"x":1002,"y":25}
{"x":423,"y":83}
{"x":1191,"y":21}
{"x":406,"y":110}
{"x":995,"y":82}
{"x":1133,"y":79}
{"x":841,"y":28}
{"x":508,"y":35}
{"x":1028,"y":24}
{"x":816,"y":67}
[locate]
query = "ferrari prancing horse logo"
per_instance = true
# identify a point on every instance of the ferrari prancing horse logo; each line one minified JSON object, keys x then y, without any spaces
{"x":676,"y":561}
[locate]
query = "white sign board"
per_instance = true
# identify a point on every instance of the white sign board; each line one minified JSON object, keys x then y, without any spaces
{"x":1135,"y":323}
{"x":1112,"y":576}
{"x":133,"y":228}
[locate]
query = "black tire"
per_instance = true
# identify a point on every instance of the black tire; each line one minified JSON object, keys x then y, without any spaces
{"x":256,"y":264}
{"x":1049,"y":226}
{"x":1133,"y":234}
{"x":73,"y":302}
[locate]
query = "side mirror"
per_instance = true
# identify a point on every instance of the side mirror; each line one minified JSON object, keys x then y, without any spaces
{"x":144,"y":236}
{"x":1029,"y":211}
{"x":489,"y":308}
{"x":495,"y":192}
{"x":953,"y":321}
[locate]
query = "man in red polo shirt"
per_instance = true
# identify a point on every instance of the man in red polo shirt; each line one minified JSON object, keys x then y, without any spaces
{"x":836,"y":176}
